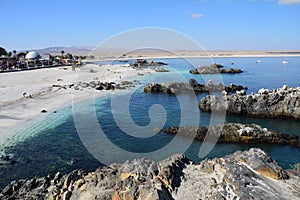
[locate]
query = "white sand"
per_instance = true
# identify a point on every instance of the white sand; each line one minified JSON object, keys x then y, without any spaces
{"x":17,"y":110}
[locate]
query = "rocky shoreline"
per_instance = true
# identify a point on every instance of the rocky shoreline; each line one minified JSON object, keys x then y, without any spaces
{"x":237,"y":133}
{"x":215,"y":69}
{"x":97,"y":85}
{"x":242,"y":175}
{"x":175,"y":88}
{"x":279,"y":103}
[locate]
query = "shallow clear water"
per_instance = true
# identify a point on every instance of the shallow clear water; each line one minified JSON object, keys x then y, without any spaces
{"x":54,"y":144}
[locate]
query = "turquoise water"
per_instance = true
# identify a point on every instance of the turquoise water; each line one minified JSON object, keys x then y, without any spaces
{"x":58,"y":147}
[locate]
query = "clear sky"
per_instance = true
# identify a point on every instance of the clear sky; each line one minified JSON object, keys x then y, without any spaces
{"x":215,"y":24}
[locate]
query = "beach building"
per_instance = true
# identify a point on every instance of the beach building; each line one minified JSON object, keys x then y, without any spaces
{"x":7,"y":63}
{"x":32,"y":58}
{"x":32,"y":55}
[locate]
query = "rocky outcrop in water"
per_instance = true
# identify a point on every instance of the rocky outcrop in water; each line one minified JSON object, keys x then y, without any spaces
{"x":215,"y":69}
{"x":237,"y":133}
{"x":6,"y":159}
{"x":279,"y":103}
{"x":175,"y":88}
{"x":160,"y":69}
{"x":243,"y":175}
{"x":145,"y":63}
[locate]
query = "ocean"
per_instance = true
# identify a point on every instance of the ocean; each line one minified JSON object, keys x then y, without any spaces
{"x":122,"y":126}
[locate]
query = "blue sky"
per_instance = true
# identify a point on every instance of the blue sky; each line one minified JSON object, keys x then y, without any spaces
{"x":215,"y":24}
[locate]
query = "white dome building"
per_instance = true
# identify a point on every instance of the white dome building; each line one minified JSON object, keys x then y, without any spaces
{"x":32,"y":55}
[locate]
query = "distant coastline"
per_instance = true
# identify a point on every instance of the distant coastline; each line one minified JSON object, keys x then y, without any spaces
{"x":192,"y":56}
{"x":111,"y":53}
{"x":195,"y":54}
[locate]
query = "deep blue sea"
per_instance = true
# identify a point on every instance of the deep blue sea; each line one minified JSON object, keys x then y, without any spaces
{"x":101,"y":126}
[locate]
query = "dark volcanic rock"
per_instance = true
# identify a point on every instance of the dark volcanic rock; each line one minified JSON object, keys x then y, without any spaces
{"x":279,"y":103}
{"x":193,"y":85}
{"x":243,"y":175}
{"x":237,"y":133}
{"x":214,"y":69}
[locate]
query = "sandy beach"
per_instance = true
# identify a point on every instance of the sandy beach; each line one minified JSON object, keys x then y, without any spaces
{"x":25,"y":94}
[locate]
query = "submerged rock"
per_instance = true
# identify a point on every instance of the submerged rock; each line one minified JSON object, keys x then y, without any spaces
{"x":243,"y":175}
{"x":279,"y":103}
{"x":160,"y":69}
{"x":126,"y":82}
{"x":214,"y":69}
{"x":6,"y":159}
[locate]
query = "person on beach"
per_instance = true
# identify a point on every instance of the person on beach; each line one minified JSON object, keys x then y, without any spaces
{"x":74,"y":65}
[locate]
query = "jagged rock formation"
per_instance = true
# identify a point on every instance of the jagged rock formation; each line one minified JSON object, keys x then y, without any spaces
{"x":237,"y":133}
{"x":175,"y":88}
{"x":215,"y":69}
{"x":138,"y":179}
{"x":145,"y":63}
{"x":96,"y":85}
{"x":243,"y":175}
{"x":279,"y":103}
